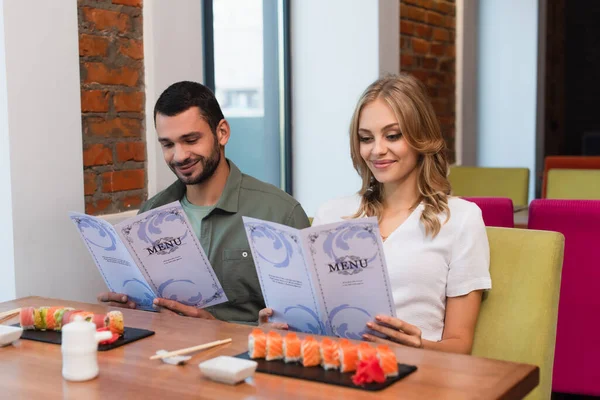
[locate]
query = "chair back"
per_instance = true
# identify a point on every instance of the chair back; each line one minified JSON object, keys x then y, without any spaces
{"x":517,"y":321}
{"x":496,"y":211}
{"x":491,"y":182}
{"x":573,"y":184}
{"x":577,"y":354}
{"x":567,"y":162}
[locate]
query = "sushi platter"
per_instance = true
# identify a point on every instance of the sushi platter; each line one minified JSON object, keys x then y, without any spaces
{"x":44,"y":324}
{"x":340,"y":363}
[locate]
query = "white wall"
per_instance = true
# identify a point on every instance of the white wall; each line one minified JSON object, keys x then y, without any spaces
{"x":44,"y":131}
{"x":7,"y":268}
{"x":507,"y":84}
{"x":336,"y":54}
{"x":172,"y":53}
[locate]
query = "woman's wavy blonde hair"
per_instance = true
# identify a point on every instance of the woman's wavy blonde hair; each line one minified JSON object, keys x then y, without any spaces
{"x":407,"y":98}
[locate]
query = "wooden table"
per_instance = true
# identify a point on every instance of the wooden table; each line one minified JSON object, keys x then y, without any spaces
{"x":31,"y":369}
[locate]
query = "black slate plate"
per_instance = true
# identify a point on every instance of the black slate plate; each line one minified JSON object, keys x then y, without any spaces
{"x":129,"y":335}
{"x":318,"y":374}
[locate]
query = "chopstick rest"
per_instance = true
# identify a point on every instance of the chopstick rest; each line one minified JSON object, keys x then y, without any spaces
{"x":188,"y":350}
{"x":174,"y":360}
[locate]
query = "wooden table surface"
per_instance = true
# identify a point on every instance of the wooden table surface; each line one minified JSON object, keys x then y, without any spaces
{"x":30,"y":369}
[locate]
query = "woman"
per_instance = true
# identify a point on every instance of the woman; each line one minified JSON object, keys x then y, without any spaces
{"x":436,"y":246}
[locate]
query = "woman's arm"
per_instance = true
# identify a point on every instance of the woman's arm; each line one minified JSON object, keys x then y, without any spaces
{"x":459,"y":327}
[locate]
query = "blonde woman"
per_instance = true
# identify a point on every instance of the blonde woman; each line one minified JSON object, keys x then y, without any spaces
{"x":436,"y":246}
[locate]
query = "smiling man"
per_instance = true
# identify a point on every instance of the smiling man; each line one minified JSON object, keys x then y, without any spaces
{"x":215,"y":195}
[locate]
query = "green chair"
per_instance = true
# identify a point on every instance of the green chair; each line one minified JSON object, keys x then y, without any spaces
{"x":491,"y":182}
{"x":573,"y":184}
{"x":518,"y":316}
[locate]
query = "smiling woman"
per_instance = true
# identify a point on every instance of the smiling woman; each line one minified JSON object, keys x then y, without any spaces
{"x":436,"y":248}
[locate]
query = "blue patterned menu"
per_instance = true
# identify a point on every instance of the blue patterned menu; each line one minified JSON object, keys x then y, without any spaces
{"x":155,"y":254}
{"x":327,"y":280}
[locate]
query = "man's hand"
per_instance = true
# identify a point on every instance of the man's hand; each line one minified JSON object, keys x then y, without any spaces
{"x":115,"y":300}
{"x":181,"y":309}
{"x":263,"y":320}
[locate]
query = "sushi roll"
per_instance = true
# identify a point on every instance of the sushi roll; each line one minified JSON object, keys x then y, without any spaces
{"x":58,"y":317}
{"x":51,"y":318}
{"x":348,"y":356}
{"x":39,"y":318}
{"x":115,"y":322}
{"x":329,"y":354}
{"x":257,"y":344}
{"x":100,"y":320}
{"x":292,"y":348}
{"x":387,"y":361}
{"x":26,"y":318}
{"x":311,"y":354}
{"x":365,"y":352}
{"x":274,"y":346}
{"x":68,"y":316}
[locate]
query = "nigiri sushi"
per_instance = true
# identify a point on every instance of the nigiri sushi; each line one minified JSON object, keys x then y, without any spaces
{"x":311,"y":354}
{"x":292,"y":348}
{"x":329,"y":354}
{"x":348,"y":356}
{"x":257,"y":344}
{"x":365,"y":351}
{"x":387,"y":360}
{"x":274,"y":346}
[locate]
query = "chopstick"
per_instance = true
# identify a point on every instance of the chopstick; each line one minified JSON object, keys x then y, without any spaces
{"x":7,"y":315}
{"x":190,"y":349}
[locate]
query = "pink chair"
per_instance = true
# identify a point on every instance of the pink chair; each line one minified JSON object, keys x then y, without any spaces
{"x":577,"y":354}
{"x":496,"y":211}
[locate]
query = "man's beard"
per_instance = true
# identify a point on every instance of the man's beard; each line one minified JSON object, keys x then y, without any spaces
{"x":209,"y":166}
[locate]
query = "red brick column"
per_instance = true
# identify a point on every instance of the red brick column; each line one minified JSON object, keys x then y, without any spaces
{"x":112,"y":104}
{"x":427,"y":50}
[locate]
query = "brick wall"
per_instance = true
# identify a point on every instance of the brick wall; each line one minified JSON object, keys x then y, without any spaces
{"x":427,"y":50}
{"x":112,"y":104}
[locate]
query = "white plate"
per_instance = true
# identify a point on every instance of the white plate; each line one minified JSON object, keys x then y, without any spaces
{"x":9,"y":334}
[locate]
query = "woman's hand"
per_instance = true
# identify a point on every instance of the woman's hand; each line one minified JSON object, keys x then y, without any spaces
{"x":263,"y":320}
{"x":396,"y":330}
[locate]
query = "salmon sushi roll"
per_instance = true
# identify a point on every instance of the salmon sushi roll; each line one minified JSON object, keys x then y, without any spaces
{"x":366,"y":351}
{"x":257,"y":344}
{"x":348,"y":356}
{"x":26,"y":318}
{"x":387,"y":361}
{"x":292,"y":351}
{"x":311,"y":353}
{"x":100,"y":320}
{"x":330,"y":358}
{"x":51,"y":318}
{"x":114,"y":322}
{"x":274,"y":346}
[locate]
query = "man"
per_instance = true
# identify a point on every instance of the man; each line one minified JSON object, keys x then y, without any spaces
{"x":215,"y":195}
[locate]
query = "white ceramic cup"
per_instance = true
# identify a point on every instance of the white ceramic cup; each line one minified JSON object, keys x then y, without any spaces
{"x":80,"y":350}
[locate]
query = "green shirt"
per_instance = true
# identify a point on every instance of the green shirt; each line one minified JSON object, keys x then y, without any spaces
{"x":224,"y":240}
{"x":195,"y":214}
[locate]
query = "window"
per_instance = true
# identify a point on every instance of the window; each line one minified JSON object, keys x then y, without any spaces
{"x":246,"y":64}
